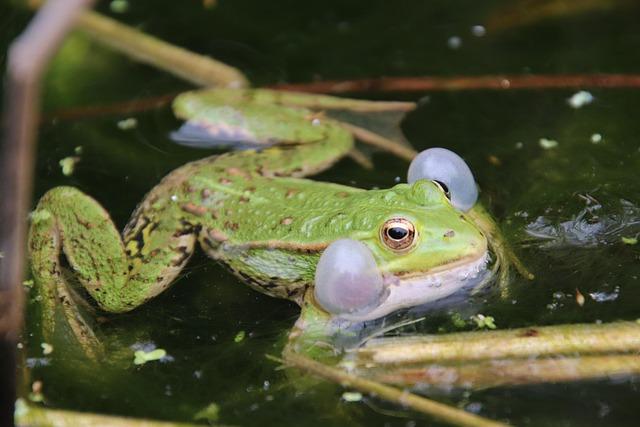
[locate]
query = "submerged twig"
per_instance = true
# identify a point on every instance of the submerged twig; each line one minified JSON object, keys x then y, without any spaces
{"x":28,"y":56}
{"x":27,"y":416}
{"x":458,"y":83}
{"x":198,"y":69}
{"x":388,"y":84}
{"x":513,"y":343}
{"x":440,"y":411}
{"x":508,"y":372}
{"x":117,"y":108}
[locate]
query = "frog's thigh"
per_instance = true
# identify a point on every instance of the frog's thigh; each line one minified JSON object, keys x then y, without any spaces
{"x":69,"y":219}
{"x":157,"y":250}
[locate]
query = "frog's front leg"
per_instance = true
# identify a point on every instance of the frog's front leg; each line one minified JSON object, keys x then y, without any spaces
{"x":119,"y":274}
{"x":505,"y":257}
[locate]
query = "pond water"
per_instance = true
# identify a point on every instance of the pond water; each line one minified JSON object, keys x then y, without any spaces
{"x":565,"y":208}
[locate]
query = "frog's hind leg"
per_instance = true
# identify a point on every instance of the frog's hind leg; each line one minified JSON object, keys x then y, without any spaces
{"x":119,"y":275}
{"x":53,"y":285}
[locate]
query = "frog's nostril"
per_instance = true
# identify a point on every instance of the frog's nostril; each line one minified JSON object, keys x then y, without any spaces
{"x":347,"y":278}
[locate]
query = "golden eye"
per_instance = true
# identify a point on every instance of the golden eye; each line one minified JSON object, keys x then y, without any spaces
{"x":398,"y":234}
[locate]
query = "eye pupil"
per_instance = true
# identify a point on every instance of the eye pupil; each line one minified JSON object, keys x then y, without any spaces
{"x":397,"y":233}
{"x":444,"y":187}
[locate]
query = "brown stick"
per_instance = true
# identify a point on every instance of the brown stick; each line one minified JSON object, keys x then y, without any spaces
{"x":28,"y":56}
{"x":512,"y":343}
{"x":509,"y":372}
{"x":390,"y":84}
{"x":457,"y":83}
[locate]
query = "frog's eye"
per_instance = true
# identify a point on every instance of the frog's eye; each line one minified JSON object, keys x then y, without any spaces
{"x":442,"y":186}
{"x":347,"y":279}
{"x":398,"y":234}
{"x":447,"y":170}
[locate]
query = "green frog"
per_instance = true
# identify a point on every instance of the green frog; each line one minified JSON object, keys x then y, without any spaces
{"x":254,"y":211}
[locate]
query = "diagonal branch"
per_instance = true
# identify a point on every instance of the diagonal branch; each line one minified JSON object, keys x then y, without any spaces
{"x":28,"y":57}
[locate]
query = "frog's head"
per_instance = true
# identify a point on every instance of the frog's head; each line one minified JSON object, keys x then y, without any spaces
{"x":421,"y":247}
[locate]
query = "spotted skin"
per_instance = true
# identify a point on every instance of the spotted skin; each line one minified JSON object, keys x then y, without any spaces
{"x":251,"y":210}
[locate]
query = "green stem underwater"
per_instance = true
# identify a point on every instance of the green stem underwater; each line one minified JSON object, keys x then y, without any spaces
{"x":28,"y":415}
{"x":440,"y":411}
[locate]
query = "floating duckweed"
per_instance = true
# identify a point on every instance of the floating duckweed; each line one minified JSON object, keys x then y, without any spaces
{"x":548,"y":144}
{"x":239,"y":336}
{"x":68,"y":165}
{"x":484,"y":322}
{"x":128,"y":124}
{"x":629,"y":240}
{"x":352,"y":396}
{"x":596,"y":138}
{"x":46,"y":348}
{"x":458,"y":321}
{"x":27,"y":283}
{"x":141,"y":357}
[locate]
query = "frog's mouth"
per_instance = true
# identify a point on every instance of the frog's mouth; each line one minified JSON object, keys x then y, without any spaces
{"x":404,"y":291}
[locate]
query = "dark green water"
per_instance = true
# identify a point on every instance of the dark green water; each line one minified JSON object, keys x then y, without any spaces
{"x":286,"y":41}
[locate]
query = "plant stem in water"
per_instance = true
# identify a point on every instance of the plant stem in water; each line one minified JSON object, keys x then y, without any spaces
{"x":513,"y":343}
{"x":508,"y":372}
{"x":197,"y":69}
{"x":440,"y":411}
